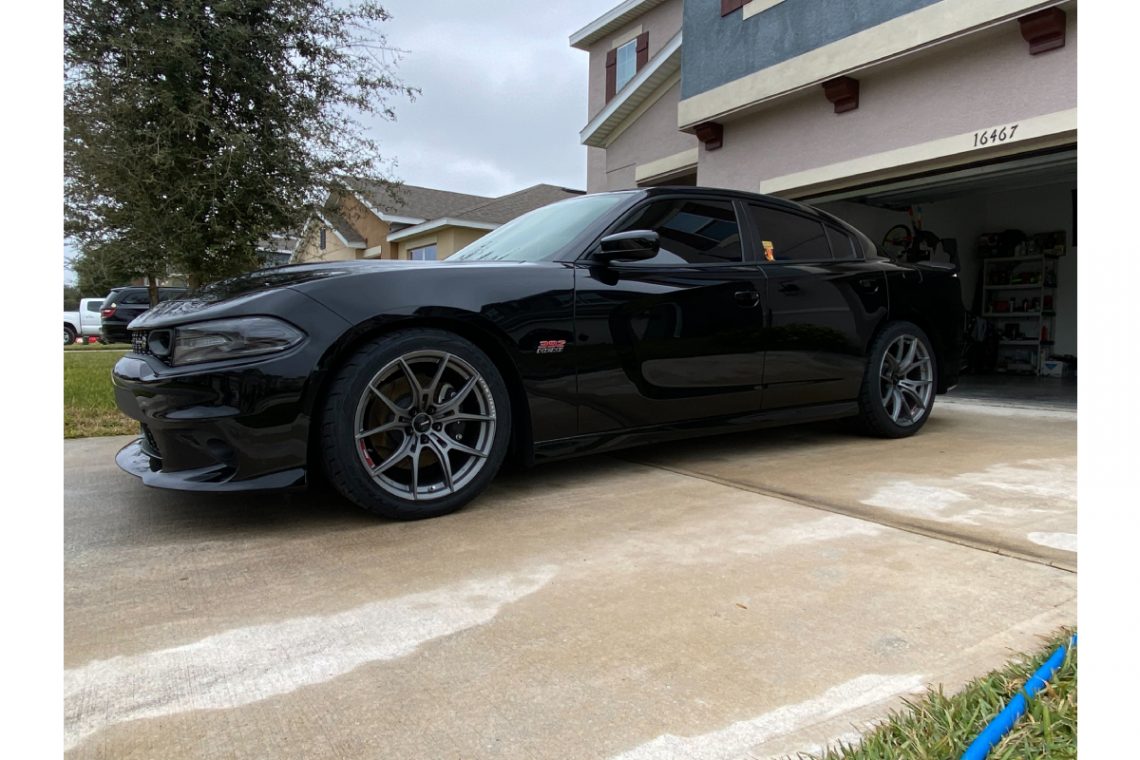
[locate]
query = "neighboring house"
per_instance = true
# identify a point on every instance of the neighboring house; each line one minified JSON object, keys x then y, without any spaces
{"x":276,"y":250}
{"x":416,"y":223}
{"x":958,"y":114}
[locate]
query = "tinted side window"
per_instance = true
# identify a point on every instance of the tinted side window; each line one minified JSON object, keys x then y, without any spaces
{"x":691,"y":231}
{"x":785,"y":236}
{"x":134,"y":297}
{"x":842,"y":246}
{"x":94,"y":305}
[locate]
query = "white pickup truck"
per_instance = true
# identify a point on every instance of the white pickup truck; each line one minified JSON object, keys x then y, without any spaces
{"x":86,"y":322}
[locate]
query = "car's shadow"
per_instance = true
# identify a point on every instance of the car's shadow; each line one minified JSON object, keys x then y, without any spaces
{"x":154,"y":516}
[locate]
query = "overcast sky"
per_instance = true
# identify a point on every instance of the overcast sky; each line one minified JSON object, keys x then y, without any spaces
{"x":504,"y":94}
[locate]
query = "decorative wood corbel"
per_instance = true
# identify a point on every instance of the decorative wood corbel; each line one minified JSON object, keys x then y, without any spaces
{"x":710,"y":133}
{"x":843,"y":92}
{"x":1044,"y":30}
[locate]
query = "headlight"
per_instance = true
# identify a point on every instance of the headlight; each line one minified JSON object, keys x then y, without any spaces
{"x":232,"y":339}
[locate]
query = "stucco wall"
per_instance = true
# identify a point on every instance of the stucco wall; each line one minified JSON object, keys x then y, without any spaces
{"x":661,"y":22}
{"x":448,"y":240}
{"x":652,"y":136}
{"x":334,"y":250}
{"x":980,"y":81}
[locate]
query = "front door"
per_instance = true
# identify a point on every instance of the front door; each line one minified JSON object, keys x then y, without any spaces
{"x":676,"y":337}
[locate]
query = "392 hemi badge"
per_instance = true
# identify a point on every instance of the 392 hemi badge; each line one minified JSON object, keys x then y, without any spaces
{"x":551,"y":346}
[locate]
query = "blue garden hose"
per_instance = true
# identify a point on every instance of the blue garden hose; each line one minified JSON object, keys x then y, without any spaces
{"x":1004,"y":721}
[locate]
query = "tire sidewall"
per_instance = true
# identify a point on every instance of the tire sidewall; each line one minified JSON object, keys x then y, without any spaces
{"x":347,"y":473}
{"x":874,"y":415}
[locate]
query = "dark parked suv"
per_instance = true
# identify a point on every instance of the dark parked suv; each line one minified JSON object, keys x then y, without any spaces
{"x":124,"y":304}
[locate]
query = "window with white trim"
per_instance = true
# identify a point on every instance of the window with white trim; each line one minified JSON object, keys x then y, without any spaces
{"x":626,"y":63}
{"x":423,"y":253}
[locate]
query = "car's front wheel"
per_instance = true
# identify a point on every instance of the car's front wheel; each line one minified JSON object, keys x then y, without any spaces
{"x":899,"y":382}
{"x":415,"y":424}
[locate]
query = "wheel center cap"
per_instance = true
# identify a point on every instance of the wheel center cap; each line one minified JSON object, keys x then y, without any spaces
{"x":421,"y":423}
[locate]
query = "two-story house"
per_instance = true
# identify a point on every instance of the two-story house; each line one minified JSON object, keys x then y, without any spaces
{"x":952,"y":117}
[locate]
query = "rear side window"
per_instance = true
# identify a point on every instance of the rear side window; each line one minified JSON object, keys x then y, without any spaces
{"x":94,"y":305}
{"x":133,"y":297}
{"x":842,"y":246}
{"x":786,"y":236}
{"x":691,"y":232}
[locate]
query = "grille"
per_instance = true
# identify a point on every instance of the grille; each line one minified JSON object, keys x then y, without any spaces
{"x":139,"y":342}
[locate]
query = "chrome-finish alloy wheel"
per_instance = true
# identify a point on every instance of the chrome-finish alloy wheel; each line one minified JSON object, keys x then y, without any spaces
{"x":906,"y":380}
{"x":425,"y":425}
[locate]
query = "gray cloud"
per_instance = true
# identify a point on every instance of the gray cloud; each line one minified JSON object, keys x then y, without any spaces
{"x":504,"y":95}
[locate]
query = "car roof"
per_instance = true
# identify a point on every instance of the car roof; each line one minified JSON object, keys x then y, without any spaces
{"x":690,"y":190}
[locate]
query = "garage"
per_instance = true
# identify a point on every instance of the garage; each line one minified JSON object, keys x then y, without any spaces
{"x":1011,"y":225}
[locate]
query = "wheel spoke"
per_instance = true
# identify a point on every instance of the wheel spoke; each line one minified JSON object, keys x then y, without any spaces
{"x":910,"y":347}
{"x":405,"y":448}
{"x":450,"y":444}
{"x":397,"y":424}
{"x":429,"y":393}
{"x":444,"y":464}
{"x":413,"y":381}
{"x":898,"y":399}
{"x":396,"y":410}
{"x":454,"y":402}
{"x":466,"y":417}
{"x":916,"y":364}
{"x":416,"y":472}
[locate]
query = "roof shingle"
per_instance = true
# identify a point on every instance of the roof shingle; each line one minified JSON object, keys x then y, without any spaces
{"x":414,"y":201}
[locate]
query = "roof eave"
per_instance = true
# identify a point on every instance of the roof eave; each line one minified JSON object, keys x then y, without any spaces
{"x":611,"y":21}
{"x":435,"y":224}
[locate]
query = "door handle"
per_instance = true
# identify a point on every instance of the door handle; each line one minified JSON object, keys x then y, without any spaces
{"x":746,"y":298}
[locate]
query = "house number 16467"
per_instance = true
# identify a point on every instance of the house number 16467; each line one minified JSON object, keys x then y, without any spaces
{"x":996,"y":135}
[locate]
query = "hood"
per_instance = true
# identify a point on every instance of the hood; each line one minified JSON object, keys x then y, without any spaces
{"x":249,"y":285}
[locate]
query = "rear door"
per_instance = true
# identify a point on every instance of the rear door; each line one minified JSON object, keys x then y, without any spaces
{"x":822,"y":304}
{"x":676,"y":337}
{"x":89,"y":315}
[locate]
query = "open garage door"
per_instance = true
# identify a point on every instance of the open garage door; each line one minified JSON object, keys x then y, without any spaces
{"x":1012,"y":225}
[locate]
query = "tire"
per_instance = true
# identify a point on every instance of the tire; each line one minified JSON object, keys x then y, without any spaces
{"x":68,"y":334}
{"x":384,"y":434}
{"x":895,"y":401}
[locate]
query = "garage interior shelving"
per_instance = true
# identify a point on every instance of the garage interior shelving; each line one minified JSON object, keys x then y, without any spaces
{"x":1020,"y":300}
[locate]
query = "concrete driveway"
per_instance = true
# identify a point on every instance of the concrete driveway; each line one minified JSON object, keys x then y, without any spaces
{"x":661,"y":603}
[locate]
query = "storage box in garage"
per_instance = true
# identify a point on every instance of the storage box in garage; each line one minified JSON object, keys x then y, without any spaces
{"x":1052,"y":368}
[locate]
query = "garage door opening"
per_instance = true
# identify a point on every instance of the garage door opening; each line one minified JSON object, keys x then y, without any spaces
{"x":1012,"y":226}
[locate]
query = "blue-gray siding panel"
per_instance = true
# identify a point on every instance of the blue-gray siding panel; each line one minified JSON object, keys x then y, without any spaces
{"x":719,"y":50}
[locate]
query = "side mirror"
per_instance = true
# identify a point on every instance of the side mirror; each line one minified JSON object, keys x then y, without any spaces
{"x":633,"y":245}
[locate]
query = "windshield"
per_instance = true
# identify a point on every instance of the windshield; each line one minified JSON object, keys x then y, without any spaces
{"x":538,"y":235}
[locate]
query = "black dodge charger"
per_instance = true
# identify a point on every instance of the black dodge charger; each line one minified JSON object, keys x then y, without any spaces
{"x":595,"y":323}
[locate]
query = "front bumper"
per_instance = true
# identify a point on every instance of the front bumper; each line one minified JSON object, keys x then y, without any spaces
{"x":242,"y":426}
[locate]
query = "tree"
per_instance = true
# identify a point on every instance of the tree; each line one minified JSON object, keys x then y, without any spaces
{"x":195,"y":128}
{"x":71,"y":296}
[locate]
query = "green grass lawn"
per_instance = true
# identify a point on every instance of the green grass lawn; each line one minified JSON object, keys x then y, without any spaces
{"x":88,"y":399}
{"x":937,"y":727}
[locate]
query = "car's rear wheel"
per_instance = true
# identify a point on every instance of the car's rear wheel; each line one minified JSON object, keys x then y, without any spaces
{"x":899,"y":382}
{"x":415,"y":424}
{"x":68,"y":335}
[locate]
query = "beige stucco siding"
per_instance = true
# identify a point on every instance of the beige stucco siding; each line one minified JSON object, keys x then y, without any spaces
{"x":651,"y":137}
{"x":447,"y":240}
{"x":981,"y":81}
{"x":334,"y":250}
